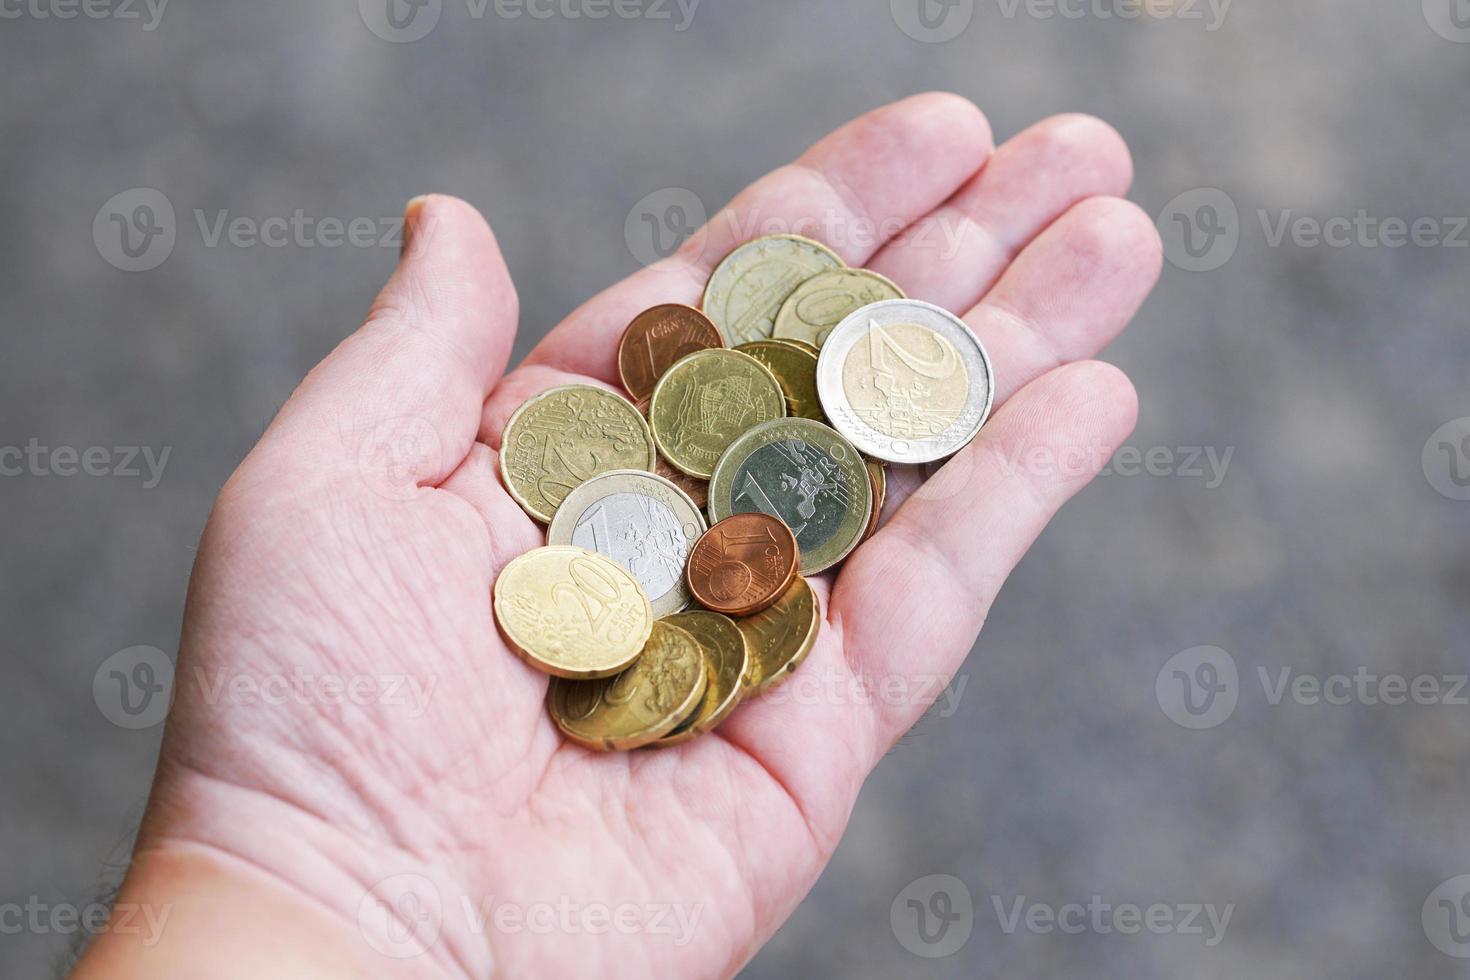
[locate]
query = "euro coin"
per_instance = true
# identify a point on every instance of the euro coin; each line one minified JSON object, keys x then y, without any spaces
{"x":742,"y":564}
{"x":805,"y":474}
{"x":795,"y":369}
{"x":704,"y":402}
{"x":572,"y":613}
{"x":824,"y":300}
{"x":727,"y":660}
{"x":905,"y":381}
{"x":564,"y":437}
{"x":697,"y":489}
{"x":749,"y":286}
{"x":641,"y":521}
{"x":640,"y":705}
{"x":656,"y":339}
{"x":878,"y":477}
{"x":780,"y":637}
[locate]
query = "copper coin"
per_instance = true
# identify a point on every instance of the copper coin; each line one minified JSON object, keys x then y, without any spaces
{"x":743,"y":564}
{"x":656,"y":339}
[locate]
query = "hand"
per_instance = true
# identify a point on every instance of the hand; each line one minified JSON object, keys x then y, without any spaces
{"x":361,"y":537}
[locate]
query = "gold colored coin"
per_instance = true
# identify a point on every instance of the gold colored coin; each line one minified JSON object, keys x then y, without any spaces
{"x":823,"y":301}
{"x":798,"y":344}
{"x":780,"y":638}
{"x":795,"y":369}
{"x":748,"y":287}
{"x":706,"y":401}
{"x":878,"y":475}
{"x":640,"y":705}
{"x":697,"y":489}
{"x":564,"y":437}
{"x":727,"y":658}
{"x":570,"y":612}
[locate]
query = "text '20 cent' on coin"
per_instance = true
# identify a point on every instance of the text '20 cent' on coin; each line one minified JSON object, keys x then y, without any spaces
{"x":564,"y":437}
{"x":656,"y":339}
{"x":572,"y":613}
{"x":825,"y":300}
{"x":640,"y":705}
{"x":805,"y":474}
{"x":749,"y":286}
{"x":795,"y":368}
{"x":727,"y":660}
{"x":780,"y":637}
{"x":641,"y":521}
{"x":905,"y":381}
{"x":743,"y":564}
{"x":705,"y":401}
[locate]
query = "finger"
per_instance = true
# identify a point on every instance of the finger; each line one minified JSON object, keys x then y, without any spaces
{"x":435,"y":340}
{"x":853,"y":190}
{"x":955,"y":253}
{"x":476,"y":482}
{"x":911,"y":601}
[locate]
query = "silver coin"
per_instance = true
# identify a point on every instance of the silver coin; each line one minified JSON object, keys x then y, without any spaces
{"x":641,"y":521}
{"x":905,"y":381}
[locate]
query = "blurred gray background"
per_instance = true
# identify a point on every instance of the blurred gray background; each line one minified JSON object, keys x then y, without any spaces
{"x":1334,"y":544}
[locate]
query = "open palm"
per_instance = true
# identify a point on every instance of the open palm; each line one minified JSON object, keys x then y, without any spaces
{"x":354,"y":551}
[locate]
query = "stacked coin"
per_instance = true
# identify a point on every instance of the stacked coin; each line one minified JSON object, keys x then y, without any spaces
{"x":772,"y":412}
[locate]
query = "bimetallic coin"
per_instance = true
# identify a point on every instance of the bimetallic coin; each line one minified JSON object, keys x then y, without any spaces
{"x":564,"y":437}
{"x":640,"y":705}
{"x":780,"y":638}
{"x":748,"y":287}
{"x":727,"y":658}
{"x":824,"y":300}
{"x":795,"y":369}
{"x":742,"y":564}
{"x":878,"y":476}
{"x":641,"y":521}
{"x":572,"y":613}
{"x":906,"y":381}
{"x":704,"y":402}
{"x":807,"y":475}
{"x":656,"y":339}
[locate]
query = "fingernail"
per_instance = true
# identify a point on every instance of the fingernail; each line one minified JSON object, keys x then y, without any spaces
{"x":410,"y":221}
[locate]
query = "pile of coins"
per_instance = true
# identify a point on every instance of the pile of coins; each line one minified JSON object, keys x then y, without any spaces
{"x":774,"y":411}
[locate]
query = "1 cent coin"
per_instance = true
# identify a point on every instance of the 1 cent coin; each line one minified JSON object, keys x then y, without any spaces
{"x":656,"y":339}
{"x":743,"y":564}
